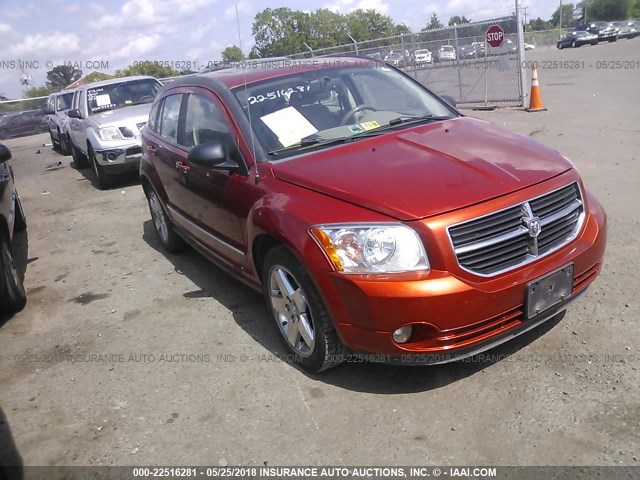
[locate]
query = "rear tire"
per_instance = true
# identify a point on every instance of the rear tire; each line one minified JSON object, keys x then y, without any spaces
{"x":301,"y":317}
{"x":79,"y":159}
{"x":13,"y":298}
{"x":170,"y":240}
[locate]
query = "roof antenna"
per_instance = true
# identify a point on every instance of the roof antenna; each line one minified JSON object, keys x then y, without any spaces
{"x":244,"y":78}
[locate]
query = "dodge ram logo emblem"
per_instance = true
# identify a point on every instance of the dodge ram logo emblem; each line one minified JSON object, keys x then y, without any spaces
{"x":533,"y":226}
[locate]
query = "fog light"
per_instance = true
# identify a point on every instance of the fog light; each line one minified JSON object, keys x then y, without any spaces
{"x":402,"y":334}
{"x":111,"y":157}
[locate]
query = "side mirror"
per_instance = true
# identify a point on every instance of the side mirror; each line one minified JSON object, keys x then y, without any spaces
{"x":449,"y":99}
{"x":49,"y":111}
{"x":74,"y":113}
{"x":5,"y":153}
{"x":212,"y":154}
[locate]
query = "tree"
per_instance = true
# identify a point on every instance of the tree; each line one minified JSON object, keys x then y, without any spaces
{"x":458,"y":20}
{"x":607,"y":9}
{"x":434,"y":23}
{"x":538,"y":24}
{"x":371,"y":24}
{"x":567,"y":16}
{"x":153,"y":69}
{"x":232,"y":54}
{"x":282,"y":31}
{"x":634,"y":9}
{"x":62,"y":76}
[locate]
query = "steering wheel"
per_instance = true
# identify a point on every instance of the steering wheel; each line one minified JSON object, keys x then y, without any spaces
{"x":348,"y":116}
{"x":147,"y":98}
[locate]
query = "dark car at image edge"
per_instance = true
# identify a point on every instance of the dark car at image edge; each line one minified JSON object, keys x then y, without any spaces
{"x":12,"y":219}
{"x":374,"y":217}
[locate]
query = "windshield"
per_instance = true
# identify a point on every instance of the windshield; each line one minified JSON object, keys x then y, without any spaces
{"x":422,"y":52}
{"x":63,"y":102}
{"x":123,"y":94}
{"x":333,"y":104}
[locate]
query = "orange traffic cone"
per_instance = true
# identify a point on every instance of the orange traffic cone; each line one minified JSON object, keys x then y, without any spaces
{"x":535,"y":99}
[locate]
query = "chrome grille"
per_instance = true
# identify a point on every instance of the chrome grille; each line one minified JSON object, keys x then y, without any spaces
{"x":517,"y":235}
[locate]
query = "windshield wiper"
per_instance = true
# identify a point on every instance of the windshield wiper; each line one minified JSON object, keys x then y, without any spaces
{"x":415,"y":118}
{"x":313,"y":141}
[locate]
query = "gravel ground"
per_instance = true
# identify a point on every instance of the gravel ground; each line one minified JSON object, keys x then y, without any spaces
{"x":195,"y":374}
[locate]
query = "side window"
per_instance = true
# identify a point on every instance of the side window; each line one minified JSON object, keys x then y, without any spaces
{"x":152,"y":124}
{"x":203,"y":120}
{"x":50,"y":102}
{"x":170,"y":116}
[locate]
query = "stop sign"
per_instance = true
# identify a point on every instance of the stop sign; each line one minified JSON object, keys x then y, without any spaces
{"x":495,"y":35}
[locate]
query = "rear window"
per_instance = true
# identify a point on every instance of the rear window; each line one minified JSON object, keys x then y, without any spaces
{"x":63,"y":102}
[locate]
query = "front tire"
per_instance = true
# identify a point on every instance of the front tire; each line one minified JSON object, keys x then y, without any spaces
{"x":573,"y":44}
{"x":103,"y":181}
{"x":79,"y":159}
{"x":54,"y":142}
{"x":20,"y":222}
{"x":65,"y":149}
{"x":13,"y":298}
{"x":302,"y":319}
{"x":4,"y":134}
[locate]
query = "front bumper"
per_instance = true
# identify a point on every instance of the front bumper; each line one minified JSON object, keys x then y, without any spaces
{"x":454,"y":313}
{"x":122,"y":158}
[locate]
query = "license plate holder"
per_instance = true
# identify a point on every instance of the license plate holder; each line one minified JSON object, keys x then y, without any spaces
{"x":549,"y":291}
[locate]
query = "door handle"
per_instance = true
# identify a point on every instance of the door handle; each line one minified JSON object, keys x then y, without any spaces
{"x":152,"y":149}
{"x":183,"y":167}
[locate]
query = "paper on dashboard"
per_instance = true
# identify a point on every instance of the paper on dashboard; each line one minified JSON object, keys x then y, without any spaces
{"x":289,"y":125}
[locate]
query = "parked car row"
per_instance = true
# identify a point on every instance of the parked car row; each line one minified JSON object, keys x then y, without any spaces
{"x":99,"y":124}
{"x":596,"y":32}
{"x":445,"y":53}
{"x":27,"y":122}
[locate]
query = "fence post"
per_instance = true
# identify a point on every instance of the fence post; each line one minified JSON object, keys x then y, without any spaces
{"x":455,"y":33}
{"x":354,"y":42}
{"x":522,"y":78}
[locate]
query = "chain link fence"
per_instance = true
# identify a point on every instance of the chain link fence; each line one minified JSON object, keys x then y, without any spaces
{"x":454,"y":61}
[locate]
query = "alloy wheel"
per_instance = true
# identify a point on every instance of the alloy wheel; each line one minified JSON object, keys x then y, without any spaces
{"x":291,"y":311}
{"x":159,"y":218}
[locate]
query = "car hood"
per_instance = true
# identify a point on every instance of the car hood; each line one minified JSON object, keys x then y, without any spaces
{"x":426,"y":170}
{"x":124,"y":116}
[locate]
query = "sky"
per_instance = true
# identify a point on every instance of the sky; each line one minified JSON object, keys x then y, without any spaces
{"x":109,"y":35}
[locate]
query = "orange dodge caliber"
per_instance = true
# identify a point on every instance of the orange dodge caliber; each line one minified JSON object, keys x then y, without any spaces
{"x":375,"y":217}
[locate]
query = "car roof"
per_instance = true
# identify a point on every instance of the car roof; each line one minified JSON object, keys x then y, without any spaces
{"x":112,"y":81}
{"x":266,"y":69}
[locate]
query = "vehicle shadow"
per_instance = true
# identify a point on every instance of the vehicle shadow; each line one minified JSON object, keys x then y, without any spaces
{"x":119,"y":181}
{"x":11,"y":465}
{"x":20,"y":246}
{"x":250,"y":313}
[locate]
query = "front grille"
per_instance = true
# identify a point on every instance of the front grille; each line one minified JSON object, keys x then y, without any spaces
{"x":519,"y":234}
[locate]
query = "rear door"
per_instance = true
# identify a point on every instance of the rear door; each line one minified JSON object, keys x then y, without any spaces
{"x":210,"y":204}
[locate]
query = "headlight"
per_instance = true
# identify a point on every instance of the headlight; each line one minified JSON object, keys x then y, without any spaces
{"x":109,"y":133}
{"x":371,"y":248}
